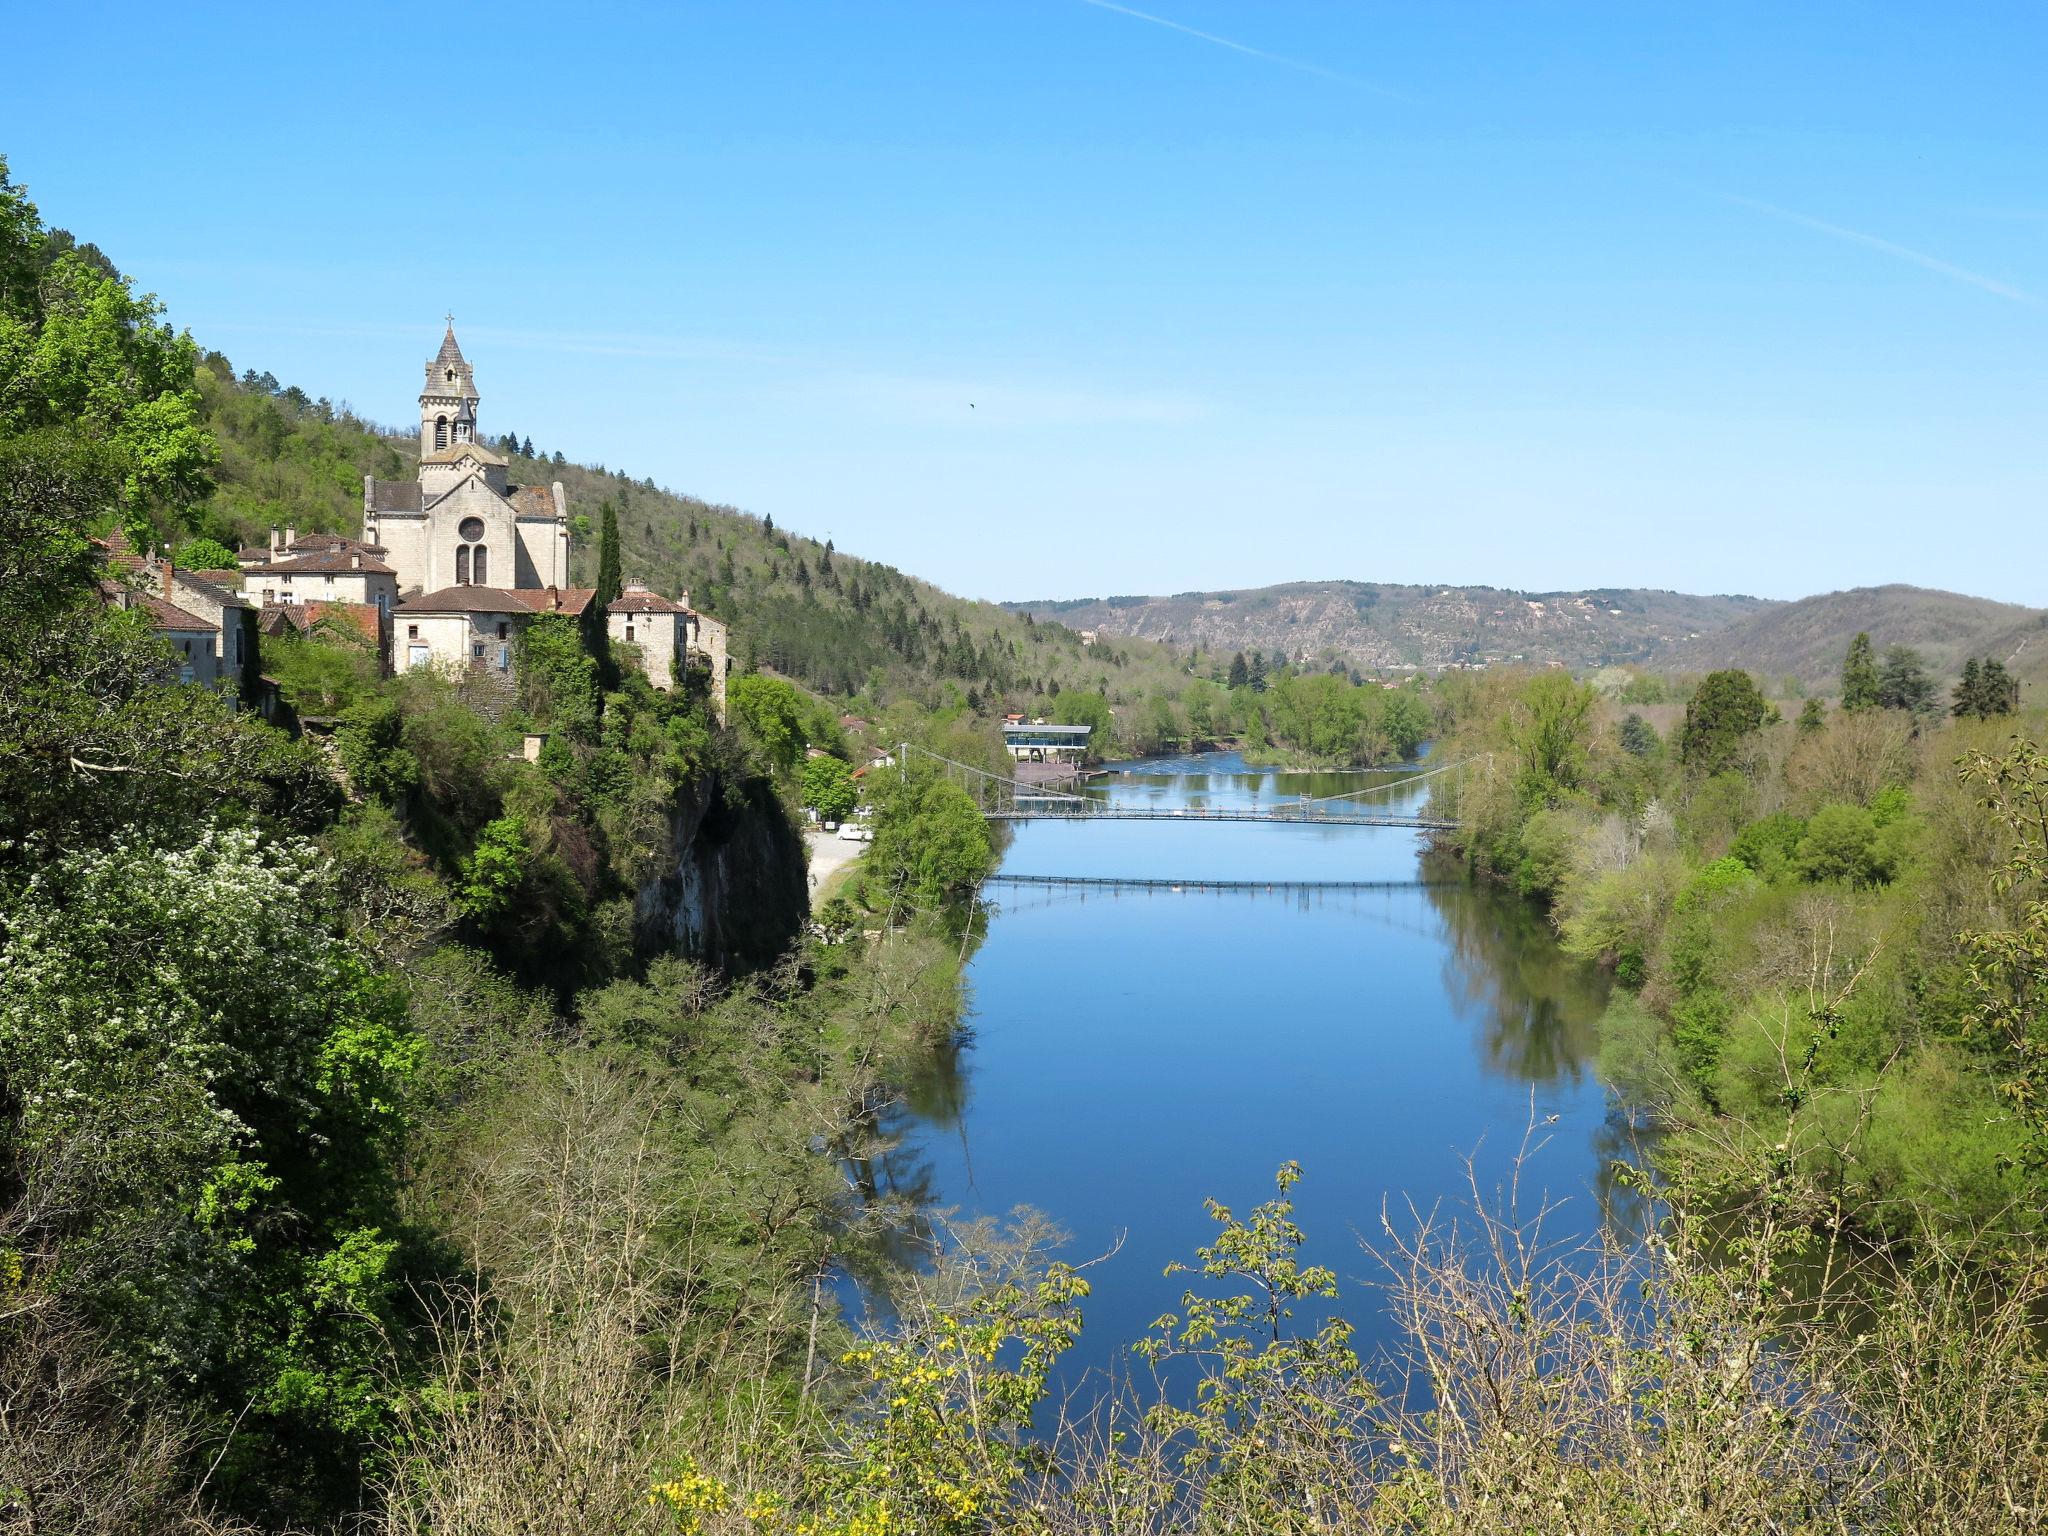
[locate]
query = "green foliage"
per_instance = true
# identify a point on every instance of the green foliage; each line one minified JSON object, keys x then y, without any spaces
{"x":1903,"y":682}
{"x":1724,"y":711}
{"x":558,"y":677}
{"x":205,"y":555}
{"x":1841,"y":844}
{"x":610,"y":582}
{"x":494,"y":871}
{"x":1768,"y":846}
{"x":931,"y":846}
{"x":1092,"y":710}
{"x":770,"y":715}
{"x":1638,"y":737}
{"x":1860,"y":682}
{"x":829,"y":788}
{"x":323,"y":672}
{"x":209,"y":1090}
{"x":370,"y":738}
{"x":1548,"y":728}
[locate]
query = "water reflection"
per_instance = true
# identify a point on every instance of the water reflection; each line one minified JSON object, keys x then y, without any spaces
{"x":1133,"y":1052}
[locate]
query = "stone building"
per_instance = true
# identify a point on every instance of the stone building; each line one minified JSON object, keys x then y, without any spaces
{"x":459,"y":523}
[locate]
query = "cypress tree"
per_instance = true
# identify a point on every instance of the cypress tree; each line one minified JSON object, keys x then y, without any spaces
{"x":610,"y":582}
{"x":1859,"y":676}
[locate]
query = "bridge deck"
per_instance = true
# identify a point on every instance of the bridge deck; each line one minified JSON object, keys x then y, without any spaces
{"x":1318,"y":817}
{"x":1151,"y":883}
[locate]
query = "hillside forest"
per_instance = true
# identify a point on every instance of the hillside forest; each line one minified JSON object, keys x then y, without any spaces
{"x":400,"y":1133}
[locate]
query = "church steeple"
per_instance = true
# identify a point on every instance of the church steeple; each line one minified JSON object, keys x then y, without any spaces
{"x":449,"y":399}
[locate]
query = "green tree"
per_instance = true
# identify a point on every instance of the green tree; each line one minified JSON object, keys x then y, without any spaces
{"x":770,"y":715}
{"x":1841,"y":843}
{"x":610,"y":580}
{"x":1813,"y":716}
{"x":205,"y":555}
{"x":206,"y":1092}
{"x":1077,"y":707}
{"x":1240,"y":673}
{"x":1903,"y":682}
{"x":829,"y":788}
{"x":1969,"y":692}
{"x":1860,"y":676}
{"x":931,"y":845}
{"x":1724,"y":711}
{"x":1638,"y":736}
{"x":1548,"y":725}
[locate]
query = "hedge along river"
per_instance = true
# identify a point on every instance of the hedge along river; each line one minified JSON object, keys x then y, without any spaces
{"x":1131,"y":1052}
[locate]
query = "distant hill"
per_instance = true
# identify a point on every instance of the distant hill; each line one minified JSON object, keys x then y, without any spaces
{"x":1374,"y":625}
{"x":1806,"y":639}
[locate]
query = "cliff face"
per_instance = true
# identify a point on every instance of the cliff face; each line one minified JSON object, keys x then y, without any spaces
{"x":737,"y":894}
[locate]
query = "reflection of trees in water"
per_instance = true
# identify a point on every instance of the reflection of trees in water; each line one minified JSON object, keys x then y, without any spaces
{"x":889,"y":1227}
{"x":1538,"y":1009}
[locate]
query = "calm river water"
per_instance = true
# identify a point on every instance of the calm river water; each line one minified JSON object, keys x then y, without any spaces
{"x":1133,"y":1052}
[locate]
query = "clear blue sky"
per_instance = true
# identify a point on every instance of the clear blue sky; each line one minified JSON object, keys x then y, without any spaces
{"x":1720,"y":297}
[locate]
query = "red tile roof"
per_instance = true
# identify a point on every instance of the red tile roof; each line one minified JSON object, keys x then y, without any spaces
{"x":327,"y":562}
{"x":570,"y":600}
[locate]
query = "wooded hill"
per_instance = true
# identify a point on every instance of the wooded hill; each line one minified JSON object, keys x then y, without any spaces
{"x":1381,"y":625}
{"x":1388,"y":625}
{"x":835,"y":623}
{"x":1807,"y":639}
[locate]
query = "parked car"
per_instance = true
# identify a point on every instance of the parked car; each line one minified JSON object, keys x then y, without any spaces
{"x":853,"y":832}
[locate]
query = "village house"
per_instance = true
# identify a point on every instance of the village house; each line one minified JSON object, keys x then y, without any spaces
{"x":210,"y":626}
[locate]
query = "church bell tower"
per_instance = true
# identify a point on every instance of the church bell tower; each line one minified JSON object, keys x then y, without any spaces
{"x":448,"y":400}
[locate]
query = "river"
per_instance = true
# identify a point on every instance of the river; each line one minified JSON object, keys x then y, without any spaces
{"x":1132,"y":1052}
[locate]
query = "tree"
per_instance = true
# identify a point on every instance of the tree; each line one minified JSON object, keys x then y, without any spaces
{"x":1985,"y":690}
{"x":1969,"y":694}
{"x":1724,"y":711}
{"x":1813,"y":716}
{"x":1077,"y":707}
{"x":770,"y":715}
{"x":526,"y":449}
{"x":1638,"y":736}
{"x":1903,"y":683}
{"x":206,"y":1100}
{"x":610,"y":582}
{"x":829,"y":788}
{"x":1841,"y":843}
{"x":1859,"y":676}
{"x":1548,"y":725}
{"x":1240,"y":673}
{"x":205,"y":555}
{"x":930,"y":843}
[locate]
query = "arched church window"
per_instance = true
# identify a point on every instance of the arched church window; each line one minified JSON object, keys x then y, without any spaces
{"x":440,"y":432}
{"x":462,"y":565}
{"x":483,"y":566}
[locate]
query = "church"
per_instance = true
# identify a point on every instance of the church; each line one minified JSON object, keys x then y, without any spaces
{"x":459,"y":524}
{"x":453,"y":563}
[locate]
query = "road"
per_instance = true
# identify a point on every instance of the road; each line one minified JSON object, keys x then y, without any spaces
{"x":829,"y":853}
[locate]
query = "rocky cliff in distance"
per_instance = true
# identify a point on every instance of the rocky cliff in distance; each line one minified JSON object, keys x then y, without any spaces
{"x":737,"y":894}
{"x":1383,"y":625}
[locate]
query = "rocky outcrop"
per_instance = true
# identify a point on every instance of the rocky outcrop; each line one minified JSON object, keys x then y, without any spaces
{"x":736,"y":895}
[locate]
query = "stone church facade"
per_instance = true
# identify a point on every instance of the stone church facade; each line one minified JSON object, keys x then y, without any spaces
{"x":459,"y":523}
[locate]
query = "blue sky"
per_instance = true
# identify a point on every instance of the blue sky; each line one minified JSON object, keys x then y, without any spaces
{"x":1055,"y":298}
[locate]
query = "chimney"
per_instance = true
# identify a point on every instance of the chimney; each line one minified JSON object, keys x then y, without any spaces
{"x":355,"y":562}
{"x":169,"y":570}
{"x":291,"y":535}
{"x":274,"y":543}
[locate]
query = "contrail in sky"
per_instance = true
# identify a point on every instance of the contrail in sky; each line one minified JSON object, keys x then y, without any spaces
{"x":1246,"y":49}
{"x":1902,"y":252}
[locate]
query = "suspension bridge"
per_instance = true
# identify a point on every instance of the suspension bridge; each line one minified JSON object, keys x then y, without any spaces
{"x":1007,"y":799}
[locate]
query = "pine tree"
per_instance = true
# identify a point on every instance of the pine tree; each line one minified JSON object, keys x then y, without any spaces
{"x":526,"y":449}
{"x":1240,"y":674}
{"x":1903,"y":683}
{"x":1859,"y":676}
{"x":2001,"y":692}
{"x":1813,"y":716}
{"x":768,"y":524}
{"x":1969,"y":694}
